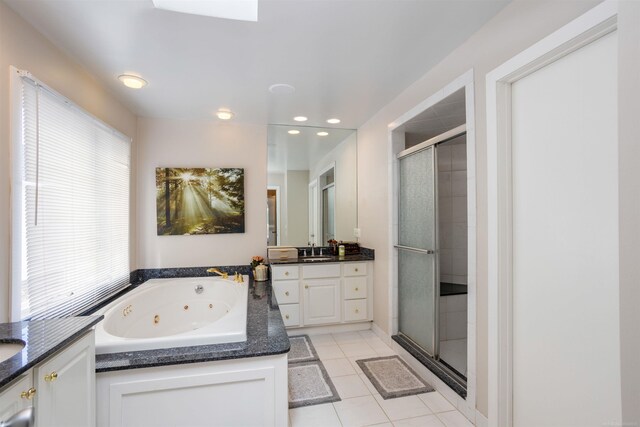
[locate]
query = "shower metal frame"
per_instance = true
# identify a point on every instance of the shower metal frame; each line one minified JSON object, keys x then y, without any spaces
{"x":425,"y":145}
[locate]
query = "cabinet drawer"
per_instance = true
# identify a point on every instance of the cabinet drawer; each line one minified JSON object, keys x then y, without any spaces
{"x":355,"y":287}
{"x":355,"y":309}
{"x":355,"y":269}
{"x":287,"y":291}
{"x":320,"y":271}
{"x":284,"y":272}
{"x":290,"y":314}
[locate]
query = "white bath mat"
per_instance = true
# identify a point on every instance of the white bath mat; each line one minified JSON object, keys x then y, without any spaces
{"x":392,"y":377}
{"x":309,"y":384}
{"x":301,"y":349}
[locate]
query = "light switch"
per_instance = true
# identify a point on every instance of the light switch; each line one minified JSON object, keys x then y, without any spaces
{"x":356,"y":232}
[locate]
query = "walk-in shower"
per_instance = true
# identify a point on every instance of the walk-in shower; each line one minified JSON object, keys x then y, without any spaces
{"x":431,"y":247}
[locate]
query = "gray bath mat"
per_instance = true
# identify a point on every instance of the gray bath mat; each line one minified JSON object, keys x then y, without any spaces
{"x":392,"y":377}
{"x":301,"y":349}
{"x":309,"y":384}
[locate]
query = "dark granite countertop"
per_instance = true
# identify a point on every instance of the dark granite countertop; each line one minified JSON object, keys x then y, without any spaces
{"x":266,"y":335}
{"x":43,"y":338}
{"x":364,"y":255}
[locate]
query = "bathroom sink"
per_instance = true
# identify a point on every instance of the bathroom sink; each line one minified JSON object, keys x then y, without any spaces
{"x":8,"y":349}
{"x":316,"y":258}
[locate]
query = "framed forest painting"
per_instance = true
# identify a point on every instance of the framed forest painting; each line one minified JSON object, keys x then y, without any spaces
{"x":199,"y":201}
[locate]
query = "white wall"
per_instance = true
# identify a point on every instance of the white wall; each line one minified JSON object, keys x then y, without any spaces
{"x":296,"y":228}
{"x":23,"y":47}
{"x":515,"y":28}
{"x":201,"y":143}
{"x":345,"y":157}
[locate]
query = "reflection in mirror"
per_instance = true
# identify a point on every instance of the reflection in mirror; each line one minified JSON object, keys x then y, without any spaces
{"x":311,"y":185}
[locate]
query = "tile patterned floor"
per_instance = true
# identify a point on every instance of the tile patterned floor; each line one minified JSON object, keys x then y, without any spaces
{"x":361,"y":404}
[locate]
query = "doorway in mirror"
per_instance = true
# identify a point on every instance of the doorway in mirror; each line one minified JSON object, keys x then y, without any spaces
{"x":273,"y":216}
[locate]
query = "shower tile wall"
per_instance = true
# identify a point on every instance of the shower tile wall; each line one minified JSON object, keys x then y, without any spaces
{"x":452,"y":198}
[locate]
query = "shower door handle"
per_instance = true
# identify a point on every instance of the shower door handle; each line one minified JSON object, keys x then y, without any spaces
{"x":422,"y":251}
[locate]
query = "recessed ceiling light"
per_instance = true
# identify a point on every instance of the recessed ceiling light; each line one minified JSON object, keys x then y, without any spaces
{"x":224,"y":114}
{"x":131,"y":81}
{"x":322,"y":133}
{"x":282,"y":89}
{"x":293,"y":132}
{"x":333,"y":121}
{"x":300,"y":119}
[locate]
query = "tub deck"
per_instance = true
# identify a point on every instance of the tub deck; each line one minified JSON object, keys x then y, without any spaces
{"x":266,"y":335}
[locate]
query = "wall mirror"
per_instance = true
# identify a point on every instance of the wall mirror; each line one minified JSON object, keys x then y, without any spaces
{"x":311,"y":185}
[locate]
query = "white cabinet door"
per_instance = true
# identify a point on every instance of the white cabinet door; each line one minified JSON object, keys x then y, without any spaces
{"x":322,"y":301}
{"x":16,"y":397}
{"x":65,"y":385}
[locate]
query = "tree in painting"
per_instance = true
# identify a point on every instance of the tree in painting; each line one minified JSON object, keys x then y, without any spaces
{"x":199,"y":200}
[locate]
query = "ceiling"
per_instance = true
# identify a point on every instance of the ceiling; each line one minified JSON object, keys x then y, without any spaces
{"x":346,"y":58}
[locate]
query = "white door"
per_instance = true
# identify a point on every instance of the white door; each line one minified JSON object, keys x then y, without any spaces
{"x":16,"y":397}
{"x":565,"y":241}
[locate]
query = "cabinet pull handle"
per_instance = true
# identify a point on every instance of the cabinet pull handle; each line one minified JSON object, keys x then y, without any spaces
{"x":356,"y":269}
{"x":28,"y":394}
{"x":357,"y":311}
{"x":306,"y":286}
{"x":356,"y":289}
{"x":51,"y":377}
{"x":286,"y":316}
{"x":286,"y":273}
{"x":287,"y":293}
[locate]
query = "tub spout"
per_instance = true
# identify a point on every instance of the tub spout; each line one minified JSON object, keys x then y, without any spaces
{"x":215,"y":270}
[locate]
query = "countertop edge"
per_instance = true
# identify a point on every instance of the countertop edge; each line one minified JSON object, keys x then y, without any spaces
{"x":192,"y":361}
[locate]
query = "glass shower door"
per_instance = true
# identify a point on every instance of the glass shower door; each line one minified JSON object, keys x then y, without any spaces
{"x":417,"y":287}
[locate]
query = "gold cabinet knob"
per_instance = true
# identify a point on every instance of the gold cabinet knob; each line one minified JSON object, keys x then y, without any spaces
{"x":356,"y":269}
{"x":28,"y":394}
{"x":357,"y":311}
{"x":286,"y":316}
{"x":287,"y":293}
{"x":306,"y":286}
{"x":286,"y":273}
{"x":51,"y":377}
{"x":356,"y":289}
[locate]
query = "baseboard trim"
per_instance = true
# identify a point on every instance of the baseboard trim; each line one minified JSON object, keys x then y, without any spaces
{"x":481,"y":420}
{"x":330,"y":329}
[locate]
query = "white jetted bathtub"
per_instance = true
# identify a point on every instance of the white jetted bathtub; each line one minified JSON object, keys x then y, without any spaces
{"x":165,"y":313}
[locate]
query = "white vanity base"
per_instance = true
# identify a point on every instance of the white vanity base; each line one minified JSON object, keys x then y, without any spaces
{"x":237,"y":392}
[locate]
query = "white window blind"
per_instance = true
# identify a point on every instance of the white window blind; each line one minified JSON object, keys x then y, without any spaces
{"x":71,"y":228}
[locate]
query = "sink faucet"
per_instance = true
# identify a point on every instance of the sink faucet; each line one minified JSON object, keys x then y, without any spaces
{"x":313,"y":249}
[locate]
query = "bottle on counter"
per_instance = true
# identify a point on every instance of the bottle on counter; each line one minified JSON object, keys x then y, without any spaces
{"x":341,"y":250}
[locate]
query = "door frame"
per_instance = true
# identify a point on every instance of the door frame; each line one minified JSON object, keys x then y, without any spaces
{"x":276,"y":188}
{"x":597,"y":22}
{"x":313,"y":211}
{"x":395,"y":145}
